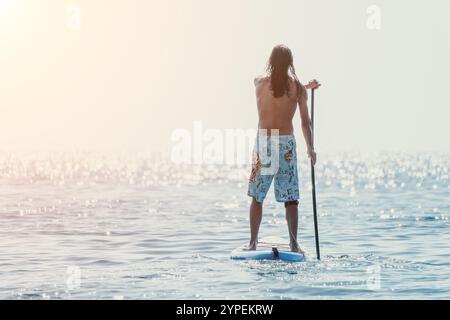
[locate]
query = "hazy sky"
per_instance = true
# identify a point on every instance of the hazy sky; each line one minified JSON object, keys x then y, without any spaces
{"x":135,"y":70}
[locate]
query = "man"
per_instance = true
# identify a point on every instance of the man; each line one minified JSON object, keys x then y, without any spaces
{"x":277,"y":97}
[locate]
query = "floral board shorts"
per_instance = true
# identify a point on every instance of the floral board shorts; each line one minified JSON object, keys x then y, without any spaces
{"x":274,"y":158}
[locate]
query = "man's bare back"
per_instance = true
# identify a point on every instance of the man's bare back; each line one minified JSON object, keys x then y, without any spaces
{"x":275,"y":113}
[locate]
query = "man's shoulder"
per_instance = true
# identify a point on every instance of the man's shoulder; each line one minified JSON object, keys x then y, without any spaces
{"x":260,"y":79}
{"x":294,"y":81}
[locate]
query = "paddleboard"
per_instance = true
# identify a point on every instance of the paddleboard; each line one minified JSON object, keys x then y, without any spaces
{"x":268,"y":249}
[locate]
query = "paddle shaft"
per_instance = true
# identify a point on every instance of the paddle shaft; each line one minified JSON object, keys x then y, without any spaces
{"x":313,"y":180}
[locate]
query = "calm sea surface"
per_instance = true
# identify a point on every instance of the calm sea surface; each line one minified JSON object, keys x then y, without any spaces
{"x":121,"y":226}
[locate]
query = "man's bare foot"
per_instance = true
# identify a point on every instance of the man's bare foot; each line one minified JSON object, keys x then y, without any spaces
{"x":250,"y":247}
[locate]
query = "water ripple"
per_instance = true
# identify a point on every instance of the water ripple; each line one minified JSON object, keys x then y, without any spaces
{"x":134,"y":226}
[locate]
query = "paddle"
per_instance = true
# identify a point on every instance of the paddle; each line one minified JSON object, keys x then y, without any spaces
{"x":313,"y":179}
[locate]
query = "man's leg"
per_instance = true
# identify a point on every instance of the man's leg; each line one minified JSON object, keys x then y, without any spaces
{"x":255,"y":222}
{"x":292,"y":222}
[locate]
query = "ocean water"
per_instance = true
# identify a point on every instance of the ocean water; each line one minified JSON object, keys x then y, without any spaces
{"x":98,"y":225}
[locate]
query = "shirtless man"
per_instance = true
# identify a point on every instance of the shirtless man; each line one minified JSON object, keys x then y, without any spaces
{"x":277,"y":97}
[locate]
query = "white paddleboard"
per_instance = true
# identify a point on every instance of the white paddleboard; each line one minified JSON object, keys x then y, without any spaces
{"x":268,"y":249}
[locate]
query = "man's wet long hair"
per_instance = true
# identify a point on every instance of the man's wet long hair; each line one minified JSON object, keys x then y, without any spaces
{"x":280,"y":64}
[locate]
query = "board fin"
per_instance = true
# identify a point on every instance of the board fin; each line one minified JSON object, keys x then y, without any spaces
{"x":276,"y":253}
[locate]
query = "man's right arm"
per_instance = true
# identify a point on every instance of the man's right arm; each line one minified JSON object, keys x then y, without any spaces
{"x":306,"y":122}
